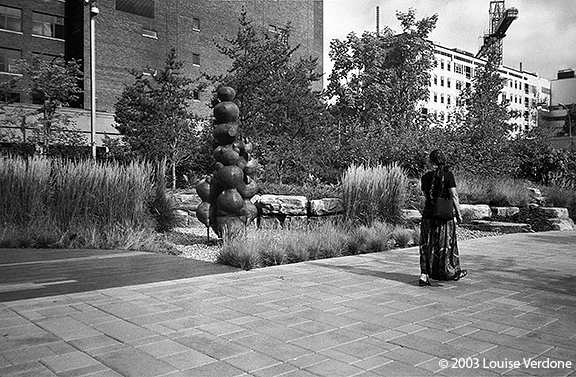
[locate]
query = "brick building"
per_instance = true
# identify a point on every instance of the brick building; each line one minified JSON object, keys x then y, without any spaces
{"x":137,"y":34}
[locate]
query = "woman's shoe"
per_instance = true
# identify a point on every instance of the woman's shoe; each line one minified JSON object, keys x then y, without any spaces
{"x":423,"y":282}
{"x":461,"y":274}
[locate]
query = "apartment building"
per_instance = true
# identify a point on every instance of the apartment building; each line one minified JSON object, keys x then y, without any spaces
{"x":137,"y":34}
{"x":454,"y":71}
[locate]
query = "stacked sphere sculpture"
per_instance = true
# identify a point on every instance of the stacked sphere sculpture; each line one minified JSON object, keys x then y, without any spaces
{"x":227,"y":192}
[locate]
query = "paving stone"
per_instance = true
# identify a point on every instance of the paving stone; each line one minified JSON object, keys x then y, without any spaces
{"x":69,"y":361}
{"x":188,"y":359}
{"x":252,"y":361}
{"x":67,"y":328}
{"x":132,"y":362}
{"x":89,"y":370}
{"x":310,"y":359}
{"x":272,"y":347}
{"x":93,"y":342}
{"x":27,"y":354}
{"x":163,"y":348}
{"x":327,"y":339}
{"x":29,"y":368}
{"x":124,"y":331}
{"x":333,"y":368}
{"x":212,"y":346}
{"x":218,"y":368}
{"x":275,"y":370}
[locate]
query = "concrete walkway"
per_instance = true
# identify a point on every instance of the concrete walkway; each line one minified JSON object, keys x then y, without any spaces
{"x":513,"y":315}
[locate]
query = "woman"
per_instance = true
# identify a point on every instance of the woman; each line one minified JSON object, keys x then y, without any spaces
{"x":439,"y":257}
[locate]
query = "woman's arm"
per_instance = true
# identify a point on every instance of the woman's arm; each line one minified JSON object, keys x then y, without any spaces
{"x":454,"y":197}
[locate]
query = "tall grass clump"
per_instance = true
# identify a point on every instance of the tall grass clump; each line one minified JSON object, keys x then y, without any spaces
{"x":561,"y":196}
{"x":370,"y":239}
{"x":98,"y":194}
{"x":57,"y":203}
{"x":372,"y":194}
{"x":265,"y":247}
{"x":496,"y":191}
{"x":25,"y":189}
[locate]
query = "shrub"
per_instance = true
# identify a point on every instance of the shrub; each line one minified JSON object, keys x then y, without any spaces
{"x":374,"y":194}
{"x":402,"y":237}
{"x":241,"y":252}
{"x":496,"y":191}
{"x":161,"y":206}
{"x":57,"y":203}
{"x":559,"y":196}
{"x":370,"y":239}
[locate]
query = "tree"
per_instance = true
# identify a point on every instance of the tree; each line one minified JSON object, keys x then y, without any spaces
{"x":375,"y":88}
{"x":55,"y":84}
{"x":379,"y":78}
{"x":279,"y":111}
{"x":485,"y":132}
{"x":154,"y":117}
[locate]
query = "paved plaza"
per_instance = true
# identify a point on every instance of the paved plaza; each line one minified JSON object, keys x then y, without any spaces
{"x":118,"y":313}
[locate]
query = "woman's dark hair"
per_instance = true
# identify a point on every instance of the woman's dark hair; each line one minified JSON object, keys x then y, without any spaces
{"x":437,"y":157}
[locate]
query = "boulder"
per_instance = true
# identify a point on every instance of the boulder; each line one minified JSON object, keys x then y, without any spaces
{"x":562,"y":224}
{"x":412,"y":215}
{"x":326,"y":206}
{"x":283,"y":205}
{"x":187,"y":201}
{"x":475,"y":211}
{"x":499,"y":226}
{"x":504,"y":211}
{"x":553,"y":212}
{"x":536,"y":195}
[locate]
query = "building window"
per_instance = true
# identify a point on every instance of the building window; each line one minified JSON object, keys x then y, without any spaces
{"x":435,"y":97}
{"x":144,"y":8}
{"x":458,"y":85}
{"x":47,"y":25}
{"x":435,"y":80}
{"x":459,"y":68}
{"x":441,"y":80}
{"x":442,"y":64}
{"x":448,"y":100}
{"x":441,"y":97}
{"x":9,"y":60}
{"x":448,"y":82}
{"x":196,"y":95}
{"x":196,"y":24}
{"x":448,"y":66}
{"x":196,"y":59}
{"x":272,"y":29}
{"x":10,"y":18}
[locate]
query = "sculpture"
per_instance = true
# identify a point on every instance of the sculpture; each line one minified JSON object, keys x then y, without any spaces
{"x":226,"y":194}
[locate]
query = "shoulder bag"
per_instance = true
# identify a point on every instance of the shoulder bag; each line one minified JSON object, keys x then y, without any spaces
{"x":443,"y":207}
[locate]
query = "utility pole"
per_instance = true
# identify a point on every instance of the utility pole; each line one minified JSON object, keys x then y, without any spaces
{"x":94,"y":11}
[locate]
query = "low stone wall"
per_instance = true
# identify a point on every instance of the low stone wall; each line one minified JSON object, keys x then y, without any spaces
{"x":276,"y":211}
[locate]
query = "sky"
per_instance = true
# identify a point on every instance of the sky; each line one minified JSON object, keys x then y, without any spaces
{"x":543,"y":37}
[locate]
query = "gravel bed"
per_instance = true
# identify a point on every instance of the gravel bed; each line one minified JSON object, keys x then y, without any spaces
{"x":193,"y":242}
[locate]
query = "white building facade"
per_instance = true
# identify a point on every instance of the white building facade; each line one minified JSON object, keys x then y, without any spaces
{"x":454,"y":71}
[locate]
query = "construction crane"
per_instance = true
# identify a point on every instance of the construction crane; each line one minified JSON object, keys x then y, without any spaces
{"x":500,"y":20}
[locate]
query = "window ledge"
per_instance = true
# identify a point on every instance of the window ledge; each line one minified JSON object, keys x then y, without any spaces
{"x":12,"y":31}
{"x":45,"y":37}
